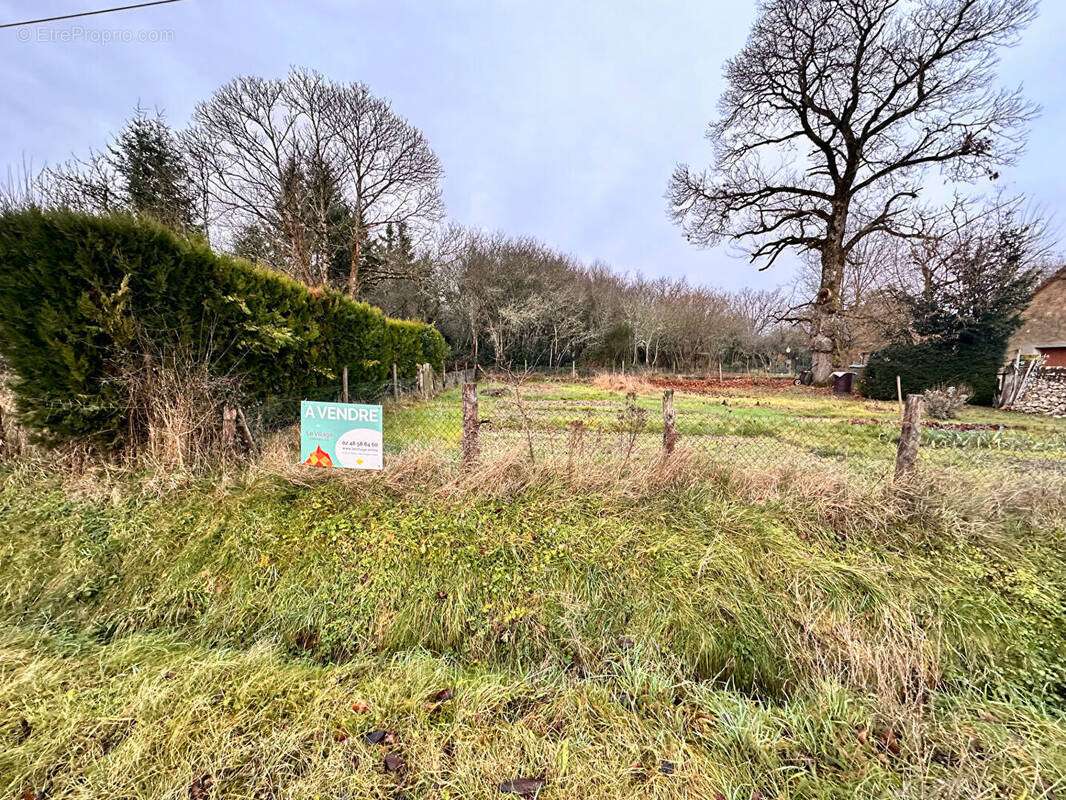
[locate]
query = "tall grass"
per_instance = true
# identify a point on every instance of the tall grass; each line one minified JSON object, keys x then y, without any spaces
{"x":614,"y":627}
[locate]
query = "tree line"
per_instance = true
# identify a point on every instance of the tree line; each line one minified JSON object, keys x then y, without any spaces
{"x":326,"y":183}
{"x":833,"y":116}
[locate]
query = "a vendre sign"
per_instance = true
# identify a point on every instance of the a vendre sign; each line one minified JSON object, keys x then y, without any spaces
{"x":344,"y":435}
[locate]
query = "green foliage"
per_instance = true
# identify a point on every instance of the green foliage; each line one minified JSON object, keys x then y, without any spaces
{"x":969,"y":302}
{"x":153,"y":171}
{"x":77,"y":292}
{"x":973,"y":359}
{"x":811,"y":648}
{"x":614,"y":345}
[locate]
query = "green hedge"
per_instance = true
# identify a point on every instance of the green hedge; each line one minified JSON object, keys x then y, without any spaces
{"x":77,"y":291}
{"x":970,"y":359}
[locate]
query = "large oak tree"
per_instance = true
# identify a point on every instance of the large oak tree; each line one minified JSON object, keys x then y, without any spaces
{"x":834,"y":114}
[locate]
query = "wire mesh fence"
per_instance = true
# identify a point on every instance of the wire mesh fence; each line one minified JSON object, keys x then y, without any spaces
{"x":620,"y":423}
{"x":800,"y":429}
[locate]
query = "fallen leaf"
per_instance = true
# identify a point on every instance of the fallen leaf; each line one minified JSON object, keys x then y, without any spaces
{"x":200,"y":787}
{"x":374,"y":737}
{"x":667,"y":767}
{"x":360,"y":706}
{"x":888,"y":740}
{"x":442,"y":696}
{"x":393,"y":762}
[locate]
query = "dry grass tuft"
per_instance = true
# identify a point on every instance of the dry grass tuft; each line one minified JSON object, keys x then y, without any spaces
{"x":616,"y":382}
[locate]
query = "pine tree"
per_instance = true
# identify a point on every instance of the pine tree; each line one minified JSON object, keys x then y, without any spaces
{"x":153,"y":173}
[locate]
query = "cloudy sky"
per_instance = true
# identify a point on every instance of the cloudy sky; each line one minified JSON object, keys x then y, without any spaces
{"x":555,"y":118}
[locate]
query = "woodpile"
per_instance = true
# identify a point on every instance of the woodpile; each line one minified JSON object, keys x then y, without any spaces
{"x":1044,"y":392}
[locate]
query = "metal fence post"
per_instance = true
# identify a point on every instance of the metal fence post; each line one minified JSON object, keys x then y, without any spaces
{"x":669,"y":422}
{"x":909,"y":436}
{"x":471,"y":444}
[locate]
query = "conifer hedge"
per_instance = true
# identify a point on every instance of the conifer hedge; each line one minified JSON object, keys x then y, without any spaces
{"x":973,"y":360}
{"x":79,"y":291}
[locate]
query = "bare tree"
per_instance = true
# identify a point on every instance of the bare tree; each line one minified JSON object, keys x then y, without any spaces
{"x":245,"y":139}
{"x":834,"y":111}
{"x":314,"y":166}
{"x":390,"y":174}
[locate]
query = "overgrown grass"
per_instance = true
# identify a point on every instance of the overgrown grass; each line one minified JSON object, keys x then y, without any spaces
{"x":789,"y":635}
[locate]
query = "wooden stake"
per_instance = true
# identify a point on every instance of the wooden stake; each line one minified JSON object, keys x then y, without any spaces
{"x":229,"y":425}
{"x":471,"y":443}
{"x":910,"y":435}
{"x":669,"y":422}
{"x":395,"y":384}
{"x":719,"y":371}
{"x":899,"y":395}
{"x":242,"y":425}
{"x":344,"y":384}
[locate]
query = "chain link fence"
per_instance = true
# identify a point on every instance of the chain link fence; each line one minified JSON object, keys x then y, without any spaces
{"x":797,"y":429}
{"x":753,"y":426}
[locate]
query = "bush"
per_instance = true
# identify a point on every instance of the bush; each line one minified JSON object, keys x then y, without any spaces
{"x":945,"y":402}
{"x":972,"y":360}
{"x":78,"y":293}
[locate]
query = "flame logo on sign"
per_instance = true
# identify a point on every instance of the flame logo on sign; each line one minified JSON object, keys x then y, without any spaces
{"x":319,"y":458}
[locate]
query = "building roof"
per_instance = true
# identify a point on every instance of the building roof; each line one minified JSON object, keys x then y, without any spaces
{"x":1057,"y":275}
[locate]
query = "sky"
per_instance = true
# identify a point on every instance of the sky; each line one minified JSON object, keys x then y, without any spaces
{"x":561,"y":120}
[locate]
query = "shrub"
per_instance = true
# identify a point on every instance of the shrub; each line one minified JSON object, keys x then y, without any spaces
{"x":972,"y":360}
{"x":945,"y":402}
{"x":77,"y":292}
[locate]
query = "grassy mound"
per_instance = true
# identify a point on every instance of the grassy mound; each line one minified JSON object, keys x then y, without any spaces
{"x":238,"y":637}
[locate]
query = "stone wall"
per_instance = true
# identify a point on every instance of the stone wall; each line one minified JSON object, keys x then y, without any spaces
{"x":1045,"y":393}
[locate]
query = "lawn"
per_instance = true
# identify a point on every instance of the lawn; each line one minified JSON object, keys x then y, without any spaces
{"x":667,"y":631}
{"x":754,"y":425}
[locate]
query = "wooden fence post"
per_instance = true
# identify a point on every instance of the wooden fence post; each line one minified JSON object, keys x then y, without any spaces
{"x":471,"y":444}
{"x":909,"y":436}
{"x":395,"y":384}
{"x":229,"y":425}
{"x":669,"y":422}
{"x":344,"y":384}
{"x":246,"y":433}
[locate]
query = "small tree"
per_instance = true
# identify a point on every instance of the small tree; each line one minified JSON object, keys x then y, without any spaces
{"x":962,"y":298}
{"x":143,"y":172}
{"x":154,"y":173}
{"x":834,"y":111}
